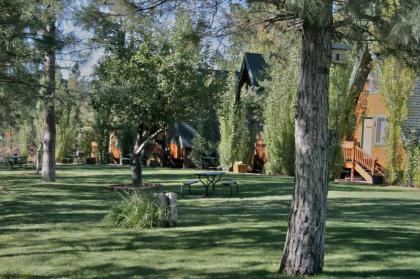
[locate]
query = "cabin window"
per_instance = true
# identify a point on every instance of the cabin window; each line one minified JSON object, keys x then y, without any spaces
{"x":381,"y":130}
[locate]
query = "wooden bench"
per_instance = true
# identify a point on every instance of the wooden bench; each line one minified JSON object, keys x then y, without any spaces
{"x":188,"y":183}
{"x":232,"y":184}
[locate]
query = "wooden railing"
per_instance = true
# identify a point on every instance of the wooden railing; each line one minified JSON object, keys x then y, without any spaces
{"x":354,"y":153}
{"x":364,"y":159}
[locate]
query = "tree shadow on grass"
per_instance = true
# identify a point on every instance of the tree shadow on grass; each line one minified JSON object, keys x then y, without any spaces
{"x":383,"y":273}
{"x":374,"y":228}
{"x":113,"y":271}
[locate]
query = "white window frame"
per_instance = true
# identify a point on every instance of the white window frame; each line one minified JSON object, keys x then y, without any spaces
{"x":383,"y":130}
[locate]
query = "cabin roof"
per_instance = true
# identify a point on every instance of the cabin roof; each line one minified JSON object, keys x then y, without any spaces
{"x":184,"y":132}
{"x":413,"y":118}
{"x":253,"y":65}
{"x":340,"y":46}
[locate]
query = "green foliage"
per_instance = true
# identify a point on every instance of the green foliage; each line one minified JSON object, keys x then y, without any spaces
{"x":158,"y":83}
{"x":226,"y":117}
{"x":279,"y":116}
{"x":396,"y":83}
{"x":74,"y":117}
{"x":137,"y":211}
{"x":17,"y":97}
{"x":412,"y":162}
{"x":242,"y":147}
{"x":235,"y":138}
{"x":341,"y":119}
{"x":200,"y":149}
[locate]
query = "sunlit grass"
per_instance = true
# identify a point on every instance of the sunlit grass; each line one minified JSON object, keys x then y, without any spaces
{"x":56,"y":230}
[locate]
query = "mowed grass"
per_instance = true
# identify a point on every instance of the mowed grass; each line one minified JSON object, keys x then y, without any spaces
{"x":56,"y":230}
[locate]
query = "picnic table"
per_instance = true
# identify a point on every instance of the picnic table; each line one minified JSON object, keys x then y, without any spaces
{"x":16,"y":160}
{"x":209,"y":178}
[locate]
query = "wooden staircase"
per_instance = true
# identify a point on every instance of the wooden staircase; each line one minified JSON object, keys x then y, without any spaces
{"x":361,"y":163}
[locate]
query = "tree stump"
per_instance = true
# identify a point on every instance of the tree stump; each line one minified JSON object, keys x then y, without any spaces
{"x":168,"y":211}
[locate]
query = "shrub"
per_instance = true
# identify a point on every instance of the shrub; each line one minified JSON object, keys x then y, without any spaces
{"x":412,"y":164}
{"x":134,"y":211}
{"x":396,"y":85}
{"x":242,"y":146}
{"x":202,"y":147}
{"x":279,"y":113}
{"x":226,"y":118}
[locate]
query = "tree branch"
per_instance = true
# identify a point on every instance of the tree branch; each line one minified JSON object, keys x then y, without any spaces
{"x":152,"y":136}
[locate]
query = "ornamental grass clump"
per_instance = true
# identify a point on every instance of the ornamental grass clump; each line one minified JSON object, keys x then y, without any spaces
{"x":138,"y":211}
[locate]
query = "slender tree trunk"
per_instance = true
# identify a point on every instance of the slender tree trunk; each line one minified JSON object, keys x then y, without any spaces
{"x":304,"y":246}
{"x":345,"y":123}
{"x":136,"y":168}
{"x":49,"y":136}
{"x":356,"y":89}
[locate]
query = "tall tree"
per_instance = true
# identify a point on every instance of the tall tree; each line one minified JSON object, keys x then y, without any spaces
{"x":49,"y":134}
{"x":152,"y":81}
{"x":34,"y":41}
{"x":396,"y":83}
{"x":304,"y":248}
{"x":361,"y":21}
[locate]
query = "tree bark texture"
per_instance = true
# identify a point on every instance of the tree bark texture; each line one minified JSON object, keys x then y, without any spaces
{"x":356,"y":89}
{"x":49,"y":134}
{"x":304,"y":247}
{"x":136,"y":168}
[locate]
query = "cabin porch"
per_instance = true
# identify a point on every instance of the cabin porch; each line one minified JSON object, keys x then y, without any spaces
{"x":359,"y":166}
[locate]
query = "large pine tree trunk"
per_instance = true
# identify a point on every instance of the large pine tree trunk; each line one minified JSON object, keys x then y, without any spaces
{"x":136,"y":168}
{"x":49,"y":135}
{"x":304,"y":246}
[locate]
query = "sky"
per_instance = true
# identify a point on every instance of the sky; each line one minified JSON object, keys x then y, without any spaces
{"x":68,"y":25}
{"x":88,"y":63}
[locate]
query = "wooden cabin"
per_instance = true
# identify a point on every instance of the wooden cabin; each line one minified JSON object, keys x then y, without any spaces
{"x":365,"y":157}
{"x":250,"y":76}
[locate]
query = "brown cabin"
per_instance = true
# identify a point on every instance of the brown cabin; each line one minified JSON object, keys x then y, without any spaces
{"x":251,"y":72}
{"x":250,"y":76}
{"x":365,"y":157}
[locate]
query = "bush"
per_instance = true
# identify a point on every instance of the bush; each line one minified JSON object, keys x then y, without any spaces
{"x":134,"y":211}
{"x":412,"y":164}
{"x":226,"y":118}
{"x":279,"y":132}
{"x":200,"y":149}
{"x":242,"y":146}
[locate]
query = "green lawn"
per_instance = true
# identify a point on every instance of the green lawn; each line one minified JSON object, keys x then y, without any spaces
{"x":50,"y":231}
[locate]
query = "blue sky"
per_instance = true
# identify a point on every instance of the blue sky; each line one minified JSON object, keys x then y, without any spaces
{"x":66,"y":61}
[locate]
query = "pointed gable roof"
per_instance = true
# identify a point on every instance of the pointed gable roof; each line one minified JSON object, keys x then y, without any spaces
{"x":252,"y":67}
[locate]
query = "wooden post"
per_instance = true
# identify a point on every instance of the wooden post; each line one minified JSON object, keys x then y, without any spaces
{"x":171,"y":197}
{"x":372,"y":169}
